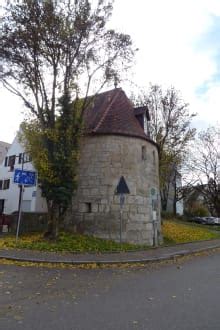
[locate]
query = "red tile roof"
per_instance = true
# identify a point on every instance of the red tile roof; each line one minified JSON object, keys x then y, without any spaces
{"x":112,"y":112}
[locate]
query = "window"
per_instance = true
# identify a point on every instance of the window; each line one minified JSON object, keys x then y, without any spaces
{"x":24,"y":157}
{"x":26,"y":205}
{"x":143,"y":153}
{"x":20,"y":158}
{"x":2,"y":202}
{"x":88,"y":207}
{"x":6,"y":161}
{"x":27,"y":158}
{"x":6,"y":184}
{"x":11,"y":162}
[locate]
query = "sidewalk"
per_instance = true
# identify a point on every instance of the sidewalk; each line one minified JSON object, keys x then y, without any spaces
{"x":153,"y":254}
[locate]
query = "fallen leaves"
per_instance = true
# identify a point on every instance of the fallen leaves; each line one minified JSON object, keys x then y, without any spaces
{"x":182,"y":233}
{"x":67,"y":242}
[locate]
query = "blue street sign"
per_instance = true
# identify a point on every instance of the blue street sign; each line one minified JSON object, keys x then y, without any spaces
{"x":27,"y":178}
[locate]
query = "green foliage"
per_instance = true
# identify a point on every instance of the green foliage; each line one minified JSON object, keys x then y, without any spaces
{"x":198,"y":210}
{"x":55,"y":153}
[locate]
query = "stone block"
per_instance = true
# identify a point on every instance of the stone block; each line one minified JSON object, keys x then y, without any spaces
{"x":131,"y":199}
{"x":136,"y":226}
{"x":115,"y":207}
{"x":95,"y":208}
{"x":77,"y":218}
{"x":88,"y":217}
{"x":94,"y":191}
{"x":142,"y":209}
{"x":133,"y":208}
{"x":104,"y":208}
{"x":149,"y":226}
{"x":139,"y":200}
{"x":133,"y":236}
{"x":86,"y":192}
{"x":83,"y":208}
{"x":117,"y":165}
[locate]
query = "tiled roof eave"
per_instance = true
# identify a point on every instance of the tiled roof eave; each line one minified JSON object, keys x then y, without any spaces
{"x":146,"y":138}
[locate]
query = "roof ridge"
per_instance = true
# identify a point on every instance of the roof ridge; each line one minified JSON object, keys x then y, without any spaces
{"x":106,"y":111}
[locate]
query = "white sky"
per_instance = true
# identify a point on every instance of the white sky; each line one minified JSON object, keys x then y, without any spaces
{"x":179,"y":45}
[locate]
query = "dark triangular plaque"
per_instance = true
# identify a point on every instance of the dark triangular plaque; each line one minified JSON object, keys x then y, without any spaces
{"x":122,"y":187}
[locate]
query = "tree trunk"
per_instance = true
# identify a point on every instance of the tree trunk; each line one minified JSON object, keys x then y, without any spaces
{"x":53,"y":221}
{"x":175,"y":193}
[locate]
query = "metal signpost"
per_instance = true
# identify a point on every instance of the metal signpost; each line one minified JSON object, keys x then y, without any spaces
{"x":122,"y":189}
{"x":154,"y":203}
{"x":23,"y":178}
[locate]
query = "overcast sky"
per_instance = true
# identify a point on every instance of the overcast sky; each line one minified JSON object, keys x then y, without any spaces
{"x":179,"y":45}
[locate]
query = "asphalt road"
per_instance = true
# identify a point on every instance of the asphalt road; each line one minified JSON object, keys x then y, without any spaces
{"x":183,"y":295}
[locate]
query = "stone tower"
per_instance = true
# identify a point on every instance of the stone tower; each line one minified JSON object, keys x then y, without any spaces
{"x":117,"y":144}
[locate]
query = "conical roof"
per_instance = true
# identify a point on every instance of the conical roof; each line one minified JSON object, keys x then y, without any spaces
{"x":112,"y":112}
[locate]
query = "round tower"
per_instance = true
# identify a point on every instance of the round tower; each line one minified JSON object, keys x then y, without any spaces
{"x":117,"y":145}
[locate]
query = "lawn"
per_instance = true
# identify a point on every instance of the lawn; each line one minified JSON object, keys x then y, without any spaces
{"x":176,"y":231}
{"x":66,"y":243}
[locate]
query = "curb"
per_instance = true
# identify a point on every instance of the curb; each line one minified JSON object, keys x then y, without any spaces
{"x":170,"y":256}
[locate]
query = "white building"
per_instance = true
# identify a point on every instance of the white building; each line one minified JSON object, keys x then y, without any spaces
{"x":9,"y":191}
{"x":4,"y":146}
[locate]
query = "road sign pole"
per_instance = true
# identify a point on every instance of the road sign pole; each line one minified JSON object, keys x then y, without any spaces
{"x":122,"y":200}
{"x":19,"y":210}
{"x":122,"y":189}
{"x":121,"y":225}
{"x":20,"y":199}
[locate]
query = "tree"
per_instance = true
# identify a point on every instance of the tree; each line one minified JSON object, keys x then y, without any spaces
{"x":52,"y":54}
{"x":170,"y":128}
{"x":204,"y":168}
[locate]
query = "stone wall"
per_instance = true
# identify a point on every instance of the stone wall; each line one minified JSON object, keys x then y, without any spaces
{"x":96,"y":207}
{"x":30,"y":222}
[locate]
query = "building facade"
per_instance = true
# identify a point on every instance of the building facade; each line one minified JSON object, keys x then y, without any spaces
{"x":9,"y":191}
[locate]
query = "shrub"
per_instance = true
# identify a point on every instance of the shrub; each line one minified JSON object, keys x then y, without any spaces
{"x":199,"y":211}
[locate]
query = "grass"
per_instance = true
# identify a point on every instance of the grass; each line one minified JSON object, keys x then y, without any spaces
{"x":176,"y":231}
{"x":67,"y":243}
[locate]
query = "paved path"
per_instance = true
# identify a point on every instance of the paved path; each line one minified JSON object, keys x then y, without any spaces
{"x":154,"y":254}
{"x":183,"y":295}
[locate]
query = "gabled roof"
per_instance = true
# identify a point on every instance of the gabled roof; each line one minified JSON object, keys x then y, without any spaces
{"x":112,"y":112}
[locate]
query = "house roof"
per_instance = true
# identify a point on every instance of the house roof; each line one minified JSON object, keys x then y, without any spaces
{"x":112,"y":112}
